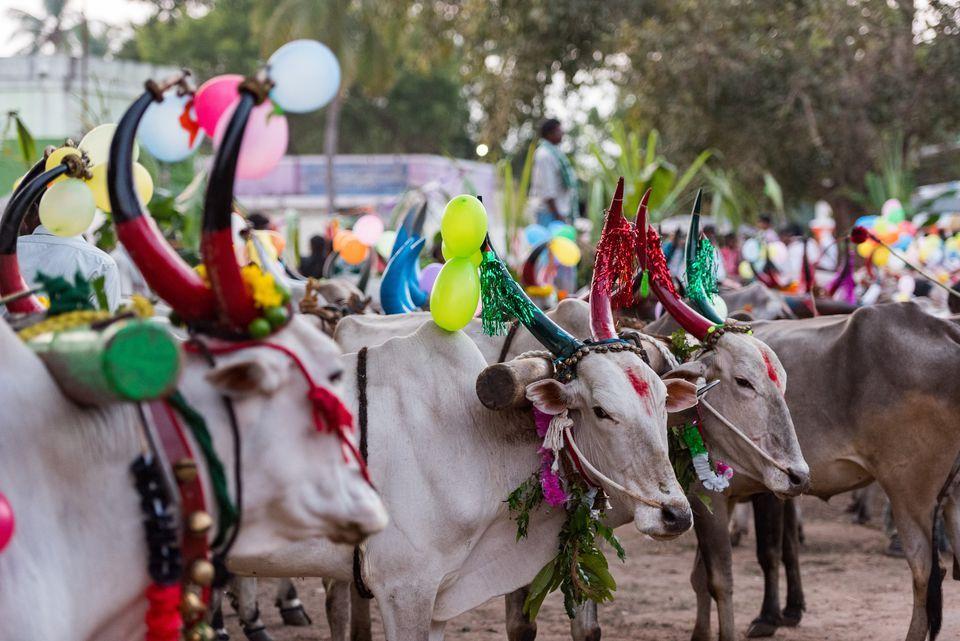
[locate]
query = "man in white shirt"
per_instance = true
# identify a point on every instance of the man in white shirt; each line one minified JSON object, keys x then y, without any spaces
{"x":43,"y":251}
{"x":553,"y":185}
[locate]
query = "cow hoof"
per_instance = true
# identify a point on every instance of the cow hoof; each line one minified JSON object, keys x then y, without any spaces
{"x":522,"y":632}
{"x":257,"y":634}
{"x":295,"y":616}
{"x":761,"y":628}
{"x":791,"y":617}
{"x":222,"y":634}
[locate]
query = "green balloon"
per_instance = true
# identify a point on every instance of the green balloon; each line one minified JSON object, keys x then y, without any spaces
{"x":455,"y":294}
{"x":463,"y":226}
{"x":568,"y":231}
{"x":897,"y":215}
{"x":476,"y":258}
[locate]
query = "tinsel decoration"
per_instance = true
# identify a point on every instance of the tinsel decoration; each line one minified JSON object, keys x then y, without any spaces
{"x":645,"y":283}
{"x":657,"y":263}
{"x":702,"y":272}
{"x":616,"y":250}
{"x":502,"y":299}
{"x":711,"y":480}
{"x":65,"y":297}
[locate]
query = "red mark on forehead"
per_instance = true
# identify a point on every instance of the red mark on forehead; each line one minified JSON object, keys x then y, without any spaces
{"x":640,"y":386}
{"x":771,"y":370}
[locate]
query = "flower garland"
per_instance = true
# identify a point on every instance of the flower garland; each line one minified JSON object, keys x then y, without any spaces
{"x":270,"y":297}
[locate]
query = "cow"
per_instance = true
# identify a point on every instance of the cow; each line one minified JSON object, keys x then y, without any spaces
{"x":872,"y":399}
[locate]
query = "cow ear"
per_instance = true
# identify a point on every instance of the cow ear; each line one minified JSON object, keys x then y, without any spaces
{"x":550,"y":396}
{"x":693,"y":371}
{"x":681,"y":395}
{"x":249,"y":372}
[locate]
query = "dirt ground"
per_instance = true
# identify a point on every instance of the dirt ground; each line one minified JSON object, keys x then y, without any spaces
{"x":854,"y":592}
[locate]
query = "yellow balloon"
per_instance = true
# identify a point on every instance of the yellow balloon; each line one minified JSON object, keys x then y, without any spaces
{"x":565,"y":250}
{"x":67,"y":208}
{"x":56,"y":157}
{"x":455,"y":294}
{"x":143,"y":182}
{"x":98,"y":186}
{"x":881,"y":256}
{"x":745,"y":270}
{"x":97,"y":144}
{"x":864,"y":249}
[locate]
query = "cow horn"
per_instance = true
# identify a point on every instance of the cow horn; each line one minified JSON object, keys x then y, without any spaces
{"x":166,"y":273}
{"x":504,"y":385}
{"x":26,"y":194}
{"x":528,"y":274}
{"x":602,"y":326}
{"x":405,"y":230}
{"x":660,"y":283}
{"x":394,"y":291}
{"x":234,"y":300}
{"x":699,"y":298}
{"x":416,"y":228}
{"x":412,"y":269}
{"x":367,"y":271}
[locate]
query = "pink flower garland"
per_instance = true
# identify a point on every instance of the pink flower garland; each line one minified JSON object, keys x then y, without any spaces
{"x":550,"y":482}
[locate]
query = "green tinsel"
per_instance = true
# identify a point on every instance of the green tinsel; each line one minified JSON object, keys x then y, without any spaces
{"x":691,"y":436}
{"x":503,"y":299}
{"x":645,"y":284}
{"x":702,"y":272}
{"x":65,"y":297}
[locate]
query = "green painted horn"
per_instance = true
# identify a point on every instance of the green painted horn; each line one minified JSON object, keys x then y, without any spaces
{"x":696,"y":290}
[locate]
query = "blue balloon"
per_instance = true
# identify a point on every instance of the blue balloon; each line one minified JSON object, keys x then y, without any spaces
{"x":536,"y":234}
{"x":555,"y":227}
{"x":163,"y":132}
{"x":866,"y":221}
{"x":903,"y":242}
{"x":306,"y":76}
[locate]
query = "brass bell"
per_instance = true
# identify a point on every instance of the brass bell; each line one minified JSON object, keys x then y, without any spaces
{"x":185,"y":470}
{"x":199,"y":523}
{"x":201,"y":632}
{"x":202,"y":572}
{"x":191,"y":605}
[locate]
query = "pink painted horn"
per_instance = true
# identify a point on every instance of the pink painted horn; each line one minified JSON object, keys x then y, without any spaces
{"x":652,"y":258}
{"x":602,"y":326}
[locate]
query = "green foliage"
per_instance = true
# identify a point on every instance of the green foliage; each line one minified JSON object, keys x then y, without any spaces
{"x":580,"y":569}
{"x":513,"y":198}
{"x":522,"y":501}
{"x":26,"y":145}
{"x":680,"y":347}
{"x":892,"y":178}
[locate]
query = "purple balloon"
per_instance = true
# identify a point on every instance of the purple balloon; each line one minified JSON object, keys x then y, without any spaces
{"x":428,"y":275}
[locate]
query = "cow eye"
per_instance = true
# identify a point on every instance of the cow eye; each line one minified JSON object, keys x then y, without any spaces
{"x":336,"y":376}
{"x":742,"y":382}
{"x":599,"y":412}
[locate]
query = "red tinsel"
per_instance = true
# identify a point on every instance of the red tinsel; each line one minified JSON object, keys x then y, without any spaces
{"x":656,"y":262}
{"x":614,"y":267}
{"x":163,"y":614}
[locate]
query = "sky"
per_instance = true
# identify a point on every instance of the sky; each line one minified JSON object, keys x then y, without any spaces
{"x":115,"y":12}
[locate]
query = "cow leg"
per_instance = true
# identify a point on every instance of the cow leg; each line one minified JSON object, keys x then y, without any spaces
{"x":360,"y":626}
{"x":407,"y":612}
{"x":244,"y":593}
{"x":951,"y":520}
{"x":791,"y":563}
{"x":519,"y":626}
{"x":584,"y":626}
{"x":337,"y":605}
{"x":739,"y":524}
{"x":291,"y":608}
{"x":768,"y":525}
{"x":216,"y":616}
{"x":916,"y":535}
{"x":712,"y":576}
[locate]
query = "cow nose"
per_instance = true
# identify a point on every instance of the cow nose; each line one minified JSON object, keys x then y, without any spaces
{"x":799,"y":480}
{"x":676,"y":519}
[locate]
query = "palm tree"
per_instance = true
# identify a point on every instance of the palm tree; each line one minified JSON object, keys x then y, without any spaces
{"x":48,"y":28}
{"x":363,"y":34}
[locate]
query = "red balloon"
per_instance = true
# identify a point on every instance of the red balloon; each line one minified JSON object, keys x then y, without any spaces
{"x":6,"y":522}
{"x":213,"y":98}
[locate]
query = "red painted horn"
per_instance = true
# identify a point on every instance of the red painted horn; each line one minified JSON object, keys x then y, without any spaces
{"x":166,"y":273}
{"x":529,"y":276}
{"x":660,"y":282}
{"x":234,"y":300}
{"x":602,"y":326}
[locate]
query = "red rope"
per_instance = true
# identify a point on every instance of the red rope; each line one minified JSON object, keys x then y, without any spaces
{"x":163,"y":614}
{"x":329,"y":412}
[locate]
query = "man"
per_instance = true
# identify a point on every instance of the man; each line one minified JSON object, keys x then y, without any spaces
{"x":43,"y":251}
{"x":553,"y":185}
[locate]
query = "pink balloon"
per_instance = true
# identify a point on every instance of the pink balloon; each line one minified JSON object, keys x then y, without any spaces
{"x":6,"y":522}
{"x":428,"y":276}
{"x":264,"y":140}
{"x":368,"y":229}
{"x":213,"y":98}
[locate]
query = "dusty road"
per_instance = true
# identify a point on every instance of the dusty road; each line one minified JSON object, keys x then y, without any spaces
{"x":853,"y":592}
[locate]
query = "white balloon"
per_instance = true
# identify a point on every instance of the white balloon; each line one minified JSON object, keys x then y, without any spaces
{"x":750,"y":250}
{"x":67,"y":208}
{"x":97,"y":144}
{"x":306,"y":76}
{"x":162,"y":129}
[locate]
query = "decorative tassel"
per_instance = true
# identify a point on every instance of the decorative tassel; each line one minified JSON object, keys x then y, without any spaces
{"x":502,"y":300}
{"x":702,"y":272}
{"x":645,"y":283}
{"x":657,"y":262}
{"x":550,"y":429}
{"x":614,"y":268}
{"x":163,"y":614}
{"x":701,"y":460}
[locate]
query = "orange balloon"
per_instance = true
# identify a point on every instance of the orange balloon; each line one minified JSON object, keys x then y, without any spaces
{"x":340,"y":239}
{"x":354,"y":251}
{"x":278,"y":241}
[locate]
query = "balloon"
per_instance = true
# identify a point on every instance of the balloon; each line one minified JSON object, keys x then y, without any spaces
{"x":536,"y":234}
{"x":385,"y":244}
{"x":892,"y":210}
{"x":98,"y":186}
{"x":354,"y":251}
{"x":368,"y":229}
{"x":720,"y":305}
{"x":56,"y":157}
{"x":455,"y":294}
{"x":143,"y":182}
{"x":464,"y":225}
{"x":7,"y":522}
{"x":169,"y":129}
{"x":903,"y":241}
{"x":866,"y":249}
{"x":340,"y":239}
{"x":565,"y":251}
{"x":881,"y":256}
{"x":906,"y":284}
{"x":750,"y":250}
{"x":97,"y":144}
{"x":264,"y":140}
{"x":429,"y":276}
{"x":476,"y":258}
{"x":213,"y":98}
{"x":866,"y":221}
{"x":745,"y":270}
{"x":882,"y":227}
{"x":306,"y":76}
{"x":67,"y":208}
{"x":554,"y":227}
{"x":567,"y":231}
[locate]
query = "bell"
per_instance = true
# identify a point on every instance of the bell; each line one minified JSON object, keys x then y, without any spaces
{"x":185,"y":470}
{"x":191,"y":605}
{"x":202,"y":572}
{"x":199,"y":523}
{"x":201,"y":632}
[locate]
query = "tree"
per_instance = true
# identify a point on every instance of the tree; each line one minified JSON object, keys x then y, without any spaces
{"x":59,"y":30}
